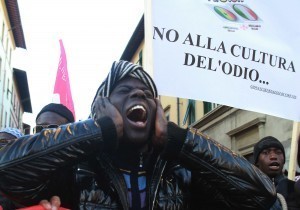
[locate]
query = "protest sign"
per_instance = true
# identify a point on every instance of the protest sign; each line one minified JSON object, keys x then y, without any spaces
{"x":242,"y":53}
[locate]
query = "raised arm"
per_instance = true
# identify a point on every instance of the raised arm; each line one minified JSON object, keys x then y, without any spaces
{"x":227,"y":174}
{"x":27,"y":165}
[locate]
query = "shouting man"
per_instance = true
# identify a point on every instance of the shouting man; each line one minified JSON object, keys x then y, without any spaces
{"x":129,"y":157}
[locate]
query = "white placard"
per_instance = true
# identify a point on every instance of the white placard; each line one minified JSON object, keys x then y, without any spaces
{"x":243,"y":53}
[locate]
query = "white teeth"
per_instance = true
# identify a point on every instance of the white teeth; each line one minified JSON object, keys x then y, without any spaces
{"x":137,"y":107}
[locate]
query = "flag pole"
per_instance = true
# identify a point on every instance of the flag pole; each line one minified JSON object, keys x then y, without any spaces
{"x":148,"y":50}
{"x":293,"y":152}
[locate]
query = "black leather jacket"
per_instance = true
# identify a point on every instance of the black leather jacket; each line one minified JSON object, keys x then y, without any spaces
{"x":70,"y":162}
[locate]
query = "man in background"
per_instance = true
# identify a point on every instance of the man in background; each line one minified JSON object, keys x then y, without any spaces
{"x":297,"y":184}
{"x":269,"y":157}
{"x":8,"y":134}
{"x":51,"y":116}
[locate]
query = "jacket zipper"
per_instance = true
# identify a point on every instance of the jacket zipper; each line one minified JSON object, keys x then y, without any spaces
{"x":159,"y":168}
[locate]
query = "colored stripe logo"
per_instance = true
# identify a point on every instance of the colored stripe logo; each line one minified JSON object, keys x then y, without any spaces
{"x":225,"y":13}
{"x":245,"y":12}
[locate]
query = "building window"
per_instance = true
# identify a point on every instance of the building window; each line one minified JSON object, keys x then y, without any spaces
{"x":167,"y":112}
{"x":0,"y":67}
{"x":10,"y":121}
{"x":3,"y":27}
{"x":189,"y":116}
{"x":7,"y":93}
{"x":12,"y":95}
{"x":244,"y":137}
{"x":6,"y":46}
{"x":208,"y":106}
{"x":140,"y":61}
{"x":5,"y":119}
{"x":9,"y":56}
{"x":18,"y":111}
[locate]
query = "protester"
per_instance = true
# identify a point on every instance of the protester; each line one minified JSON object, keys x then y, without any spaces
{"x":129,"y":157}
{"x":51,"y":116}
{"x":297,"y":184}
{"x":6,"y":135}
{"x":298,"y":154}
{"x":269,"y":157}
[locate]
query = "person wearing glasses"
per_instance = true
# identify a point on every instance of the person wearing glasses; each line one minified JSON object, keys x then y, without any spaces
{"x":51,"y":116}
{"x":6,"y":135}
{"x":127,"y":156}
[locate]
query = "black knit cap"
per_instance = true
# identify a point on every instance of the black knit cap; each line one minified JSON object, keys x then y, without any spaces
{"x":265,"y":143}
{"x":59,"y":109}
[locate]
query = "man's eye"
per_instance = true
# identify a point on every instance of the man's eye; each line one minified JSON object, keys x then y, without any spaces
{"x":148,"y":94}
{"x":123,"y":90}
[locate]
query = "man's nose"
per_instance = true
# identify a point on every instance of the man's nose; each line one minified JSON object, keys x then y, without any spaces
{"x":273,"y":156}
{"x":138,"y":93}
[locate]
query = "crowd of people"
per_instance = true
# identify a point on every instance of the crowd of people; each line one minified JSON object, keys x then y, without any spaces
{"x":128,"y":156}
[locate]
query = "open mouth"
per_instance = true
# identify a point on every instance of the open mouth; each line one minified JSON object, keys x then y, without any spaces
{"x":137,"y":114}
{"x":274,"y":165}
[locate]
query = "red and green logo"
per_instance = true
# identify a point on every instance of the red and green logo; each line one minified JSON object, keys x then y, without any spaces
{"x":245,"y":12}
{"x":225,"y":13}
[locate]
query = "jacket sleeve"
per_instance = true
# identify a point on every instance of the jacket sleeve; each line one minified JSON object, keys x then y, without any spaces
{"x":237,"y":181}
{"x":27,"y":164}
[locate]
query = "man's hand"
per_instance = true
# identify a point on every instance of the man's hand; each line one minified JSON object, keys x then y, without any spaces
{"x":103,"y":107}
{"x":160,"y":137}
{"x":53,"y":204}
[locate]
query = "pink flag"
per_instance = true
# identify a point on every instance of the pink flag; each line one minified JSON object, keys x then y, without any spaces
{"x":62,"y":84}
